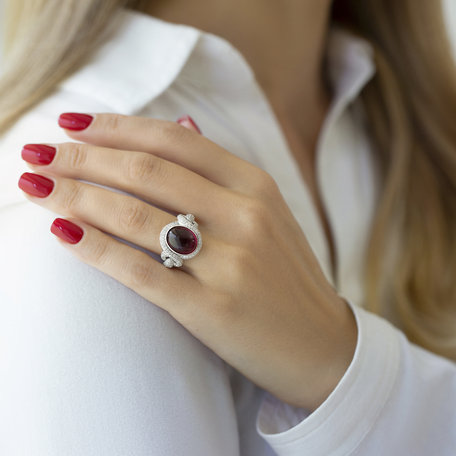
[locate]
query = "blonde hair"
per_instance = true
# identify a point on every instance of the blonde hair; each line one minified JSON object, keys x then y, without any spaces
{"x":44,"y":42}
{"x":410,"y":105}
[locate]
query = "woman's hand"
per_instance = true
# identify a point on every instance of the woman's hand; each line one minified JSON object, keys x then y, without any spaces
{"x":255,"y":294}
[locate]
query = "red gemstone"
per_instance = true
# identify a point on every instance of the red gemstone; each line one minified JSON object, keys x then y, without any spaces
{"x":182,"y":240}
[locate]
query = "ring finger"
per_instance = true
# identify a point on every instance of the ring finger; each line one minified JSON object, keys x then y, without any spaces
{"x":121,"y":215}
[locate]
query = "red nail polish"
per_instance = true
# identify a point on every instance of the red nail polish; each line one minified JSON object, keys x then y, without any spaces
{"x":66,"y":230}
{"x":38,"y":154}
{"x":35,"y":185}
{"x":75,"y":121}
{"x":189,"y":121}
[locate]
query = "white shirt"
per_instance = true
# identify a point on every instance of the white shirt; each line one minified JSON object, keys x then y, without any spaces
{"x":89,"y":368}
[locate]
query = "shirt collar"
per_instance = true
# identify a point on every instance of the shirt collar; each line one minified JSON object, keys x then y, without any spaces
{"x":350,"y":64}
{"x":141,"y":56}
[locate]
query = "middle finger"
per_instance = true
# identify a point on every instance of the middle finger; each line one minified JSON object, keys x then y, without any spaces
{"x":151,"y":178}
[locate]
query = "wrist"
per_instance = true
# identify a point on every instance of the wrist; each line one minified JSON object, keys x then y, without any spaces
{"x":335,"y":356}
{"x":344,"y":346}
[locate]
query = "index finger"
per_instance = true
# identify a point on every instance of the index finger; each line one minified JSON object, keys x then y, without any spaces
{"x":164,"y":139}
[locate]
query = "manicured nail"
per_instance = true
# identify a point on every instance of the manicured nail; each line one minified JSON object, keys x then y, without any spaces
{"x":66,"y":230}
{"x":38,"y":154}
{"x":75,"y":121}
{"x":187,"y":121}
{"x":35,"y":185}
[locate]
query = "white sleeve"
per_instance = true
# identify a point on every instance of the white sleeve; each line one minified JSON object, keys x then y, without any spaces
{"x":395,"y":399}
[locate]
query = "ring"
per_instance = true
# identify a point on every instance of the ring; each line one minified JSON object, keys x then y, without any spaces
{"x":180,"y":241}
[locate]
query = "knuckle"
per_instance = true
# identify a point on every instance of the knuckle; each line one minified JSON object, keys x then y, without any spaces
{"x":264,"y":184}
{"x":143,"y":169}
{"x":254,"y":215}
{"x":112,"y":122}
{"x":140,"y":274}
{"x":77,"y":156}
{"x":237,"y":259}
{"x":72,"y":196}
{"x":224,"y":307}
{"x":172,"y":132}
{"x":237,"y":263}
{"x":240,"y":262}
{"x":99,"y":253}
{"x":133,"y":217}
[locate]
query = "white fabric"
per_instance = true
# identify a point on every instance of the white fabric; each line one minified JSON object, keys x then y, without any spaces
{"x":89,"y":368}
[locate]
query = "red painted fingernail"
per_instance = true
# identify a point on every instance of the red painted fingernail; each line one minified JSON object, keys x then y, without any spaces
{"x":66,"y":230}
{"x":187,"y":121}
{"x":35,"y":185}
{"x":38,"y":154}
{"x":75,"y":121}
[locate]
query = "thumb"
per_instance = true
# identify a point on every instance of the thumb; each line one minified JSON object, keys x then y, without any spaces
{"x":187,"y":122}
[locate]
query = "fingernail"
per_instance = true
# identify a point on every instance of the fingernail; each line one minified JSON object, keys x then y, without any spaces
{"x":188,"y":122}
{"x":75,"y":121}
{"x":38,"y":154}
{"x":35,"y":185}
{"x":66,"y":230}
